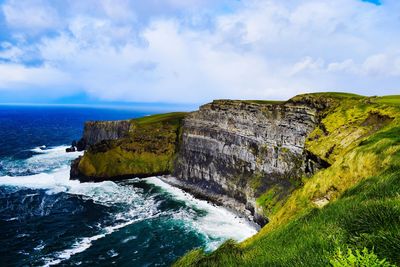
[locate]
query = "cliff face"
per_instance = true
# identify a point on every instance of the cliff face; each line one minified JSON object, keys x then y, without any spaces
{"x":97,"y":131}
{"x":241,"y":149}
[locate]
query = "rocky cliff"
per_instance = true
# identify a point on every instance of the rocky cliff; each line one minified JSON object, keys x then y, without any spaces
{"x":241,"y":149}
{"x":136,"y":148}
{"x":97,"y":131}
{"x":352,"y":204}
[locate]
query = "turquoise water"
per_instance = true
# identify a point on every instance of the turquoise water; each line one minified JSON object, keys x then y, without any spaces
{"x":46,"y":219}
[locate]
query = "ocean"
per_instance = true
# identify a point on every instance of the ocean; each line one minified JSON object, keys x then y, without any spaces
{"x":46,"y":219}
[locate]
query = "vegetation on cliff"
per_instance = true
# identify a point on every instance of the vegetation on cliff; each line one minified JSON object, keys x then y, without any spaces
{"x":148,"y":149}
{"x":353,"y":204}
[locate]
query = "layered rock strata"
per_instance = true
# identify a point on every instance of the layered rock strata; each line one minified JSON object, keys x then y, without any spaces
{"x":239,"y":149}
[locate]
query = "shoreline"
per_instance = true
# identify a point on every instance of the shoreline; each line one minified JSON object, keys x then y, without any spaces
{"x":219,"y":200}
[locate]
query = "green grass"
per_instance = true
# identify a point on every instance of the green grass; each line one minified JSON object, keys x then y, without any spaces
{"x":272,"y":199}
{"x":390,"y":100}
{"x":173,"y":117}
{"x":326,"y":97}
{"x":363,"y":257}
{"x":336,"y":95}
{"x":346,"y":125}
{"x":363,"y":185}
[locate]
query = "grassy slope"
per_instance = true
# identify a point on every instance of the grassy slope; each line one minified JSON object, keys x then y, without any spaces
{"x":361,"y":138}
{"x":150,"y":149}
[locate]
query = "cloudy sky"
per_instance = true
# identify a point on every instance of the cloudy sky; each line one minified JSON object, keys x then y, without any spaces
{"x":193,"y":51}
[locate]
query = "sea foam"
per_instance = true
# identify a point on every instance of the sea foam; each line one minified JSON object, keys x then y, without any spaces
{"x":216,"y":224}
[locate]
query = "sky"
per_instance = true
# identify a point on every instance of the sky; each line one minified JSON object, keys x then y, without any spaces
{"x":194,"y":51}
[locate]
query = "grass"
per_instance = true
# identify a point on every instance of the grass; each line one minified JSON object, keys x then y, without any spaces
{"x":336,"y":95}
{"x":345,"y":126}
{"x":362,"y":184}
{"x":272,"y":199}
{"x":389,"y":100}
{"x":358,"y":258}
{"x":172,"y":118}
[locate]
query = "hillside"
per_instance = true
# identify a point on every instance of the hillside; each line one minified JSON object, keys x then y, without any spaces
{"x":354,"y":203}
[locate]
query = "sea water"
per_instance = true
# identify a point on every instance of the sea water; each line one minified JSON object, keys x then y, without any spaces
{"x":47,"y":219}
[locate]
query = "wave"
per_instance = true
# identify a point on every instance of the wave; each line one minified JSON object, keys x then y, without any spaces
{"x":44,"y":160}
{"x":106,"y":193}
{"x":39,"y":149}
{"x":218,"y":224}
{"x":83,"y":244}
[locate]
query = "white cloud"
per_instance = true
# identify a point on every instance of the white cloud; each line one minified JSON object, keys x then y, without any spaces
{"x":32,"y":15}
{"x":261,"y":49}
{"x":19,"y":77}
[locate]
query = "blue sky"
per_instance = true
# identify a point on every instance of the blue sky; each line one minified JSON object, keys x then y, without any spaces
{"x":376,"y":2}
{"x":193,"y":51}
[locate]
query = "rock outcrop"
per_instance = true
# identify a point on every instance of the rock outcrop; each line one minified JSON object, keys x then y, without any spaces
{"x":97,"y":131}
{"x":240,"y":149}
{"x":125,"y":149}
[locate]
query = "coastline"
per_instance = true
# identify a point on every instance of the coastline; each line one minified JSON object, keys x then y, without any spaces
{"x":216,"y":199}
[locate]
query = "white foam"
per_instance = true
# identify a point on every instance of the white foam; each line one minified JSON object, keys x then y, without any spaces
{"x":51,"y":158}
{"x":83,"y":244}
{"x":44,"y":160}
{"x":105,"y":193}
{"x":11,"y":219}
{"x":129,"y":238}
{"x":112,"y":253}
{"x":39,"y":149}
{"x":40,"y":246}
{"x":79,"y":246}
{"x":218,"y":224}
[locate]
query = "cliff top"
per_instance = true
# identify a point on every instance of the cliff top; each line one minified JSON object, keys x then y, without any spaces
{"x":319,"y":101}
{"x":259,"y":102}
{"x":173,"y":117}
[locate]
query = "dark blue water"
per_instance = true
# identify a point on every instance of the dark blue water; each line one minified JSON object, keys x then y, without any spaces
{"x":46,"y":219}
{"x":24,"y":127}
